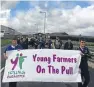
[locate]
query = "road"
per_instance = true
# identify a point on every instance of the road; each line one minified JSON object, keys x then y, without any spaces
{"x":43,"y":84}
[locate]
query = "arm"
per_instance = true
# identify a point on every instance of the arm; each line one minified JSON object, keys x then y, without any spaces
{"x":4,"y":54}
{"x":88,"y":53}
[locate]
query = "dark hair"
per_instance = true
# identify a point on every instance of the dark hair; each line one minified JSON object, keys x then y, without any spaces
{"x":14,"y":38}
{"x":82,"y":39}
{"x":21,"y":38}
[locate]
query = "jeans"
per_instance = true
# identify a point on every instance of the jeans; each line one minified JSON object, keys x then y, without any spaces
{"x":12,"y":84}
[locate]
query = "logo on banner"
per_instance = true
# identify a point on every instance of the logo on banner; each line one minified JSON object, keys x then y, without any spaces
{"x":18,"y":60}
{"x":15,"y":73}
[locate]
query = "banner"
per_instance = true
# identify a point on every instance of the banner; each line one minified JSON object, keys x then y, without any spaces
{"x":42,"y":65}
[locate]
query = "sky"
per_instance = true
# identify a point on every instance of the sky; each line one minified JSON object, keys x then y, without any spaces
{"x":72,"y":17}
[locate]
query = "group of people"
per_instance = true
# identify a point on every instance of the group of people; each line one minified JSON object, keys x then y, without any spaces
{"x":44,"y":43}
{"x":22,"y":43}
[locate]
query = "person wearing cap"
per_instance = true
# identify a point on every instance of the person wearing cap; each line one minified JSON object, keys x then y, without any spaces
{"x":13,"y":46}
{"x":85,"y":55}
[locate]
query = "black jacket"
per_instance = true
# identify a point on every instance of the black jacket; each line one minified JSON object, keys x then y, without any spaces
{"x":68,"y":46}
{"x":86,"y":55}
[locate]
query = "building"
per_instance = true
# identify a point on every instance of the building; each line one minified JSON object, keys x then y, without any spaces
{"x":9,"y":31}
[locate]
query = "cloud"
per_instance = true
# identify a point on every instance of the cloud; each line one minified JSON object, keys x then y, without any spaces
{"x":5,"y":4}
{"x":25,"y":21}
{"x":76,"y":20}
{"x":89,"y":31}
{"x":4,"y":15}
{"x":91,"y":2}
{"x":5,"y":10}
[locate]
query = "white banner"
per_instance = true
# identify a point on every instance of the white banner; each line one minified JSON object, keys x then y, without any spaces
{"x":45,"y":65}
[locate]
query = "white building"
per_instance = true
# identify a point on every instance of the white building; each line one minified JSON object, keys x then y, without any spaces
{"x":8,"y":31}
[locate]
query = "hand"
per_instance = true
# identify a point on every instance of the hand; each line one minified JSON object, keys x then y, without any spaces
{"x":79,"y":70}
{"x":5,"y":56}
{"x":81,"y":54}
{"x":18,"y":50}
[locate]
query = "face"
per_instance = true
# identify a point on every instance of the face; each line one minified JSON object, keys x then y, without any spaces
{"x":57,"y":38}
{"x":69,"y":40}
{"x":24,"y":39}
{"x":82,"y":43}
{"x":14,"y":42}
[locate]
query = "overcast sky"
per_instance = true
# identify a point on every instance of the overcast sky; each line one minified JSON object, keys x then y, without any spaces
{"x":72,"y":17}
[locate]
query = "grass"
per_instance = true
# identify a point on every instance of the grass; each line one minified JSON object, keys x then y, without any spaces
{"x":90,"y":44}
{"x":5,"y":42}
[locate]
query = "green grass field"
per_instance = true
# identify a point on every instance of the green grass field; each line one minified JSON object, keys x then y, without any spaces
{"x":5,"y":42}
{"x":90,"y":44}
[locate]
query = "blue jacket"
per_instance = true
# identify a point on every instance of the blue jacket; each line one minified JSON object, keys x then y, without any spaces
{"x":10,"y":47}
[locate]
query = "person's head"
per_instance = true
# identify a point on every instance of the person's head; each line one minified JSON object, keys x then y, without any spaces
{"x":57,"y":38}
{"x":69,"y":40}
{"x":48,"y":37}
{"x":18,"y":38}
{"x":14,"y":41}
{"x":21,"y":40}
{"x":82,"y":42}
{"x":24,"y":39}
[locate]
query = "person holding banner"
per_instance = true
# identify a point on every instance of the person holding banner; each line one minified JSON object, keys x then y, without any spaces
{"x":84,"y":65}
{"x":13,"y":46}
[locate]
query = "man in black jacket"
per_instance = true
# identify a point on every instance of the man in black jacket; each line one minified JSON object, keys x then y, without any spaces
{"x":24,"y":43}
{"x":68,"y":45}
{"x":84,"y":65}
